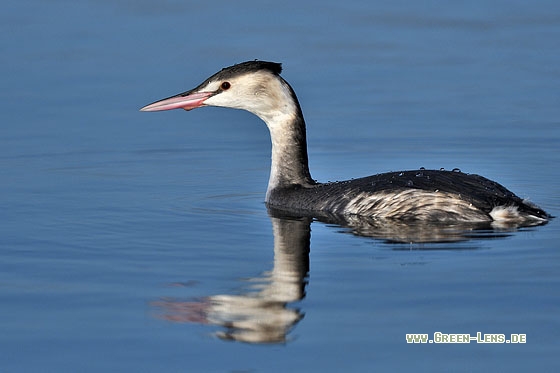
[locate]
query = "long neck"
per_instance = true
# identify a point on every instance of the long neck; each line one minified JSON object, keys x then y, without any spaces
{"x":282,"y":114}
{"x":289,"y":153}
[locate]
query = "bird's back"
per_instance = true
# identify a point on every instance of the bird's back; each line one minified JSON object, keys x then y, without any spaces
{"x":413,"y":195}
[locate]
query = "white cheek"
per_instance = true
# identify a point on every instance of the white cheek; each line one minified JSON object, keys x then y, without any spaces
{"x":229,"y":98}
{"x":214,"y":101}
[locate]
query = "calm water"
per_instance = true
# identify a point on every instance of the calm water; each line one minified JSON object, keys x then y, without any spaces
{"x":140,"y":242}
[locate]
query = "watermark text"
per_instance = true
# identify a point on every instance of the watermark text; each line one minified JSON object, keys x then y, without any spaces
{"x":480,"y":337}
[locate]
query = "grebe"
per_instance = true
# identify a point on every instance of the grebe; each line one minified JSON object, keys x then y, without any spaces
{"x":427,"y":195}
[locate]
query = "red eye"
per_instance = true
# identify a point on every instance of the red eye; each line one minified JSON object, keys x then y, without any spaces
{"x":225,"y":86}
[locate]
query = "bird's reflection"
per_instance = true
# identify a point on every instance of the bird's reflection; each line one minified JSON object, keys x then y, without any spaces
{"x":265,"y":312}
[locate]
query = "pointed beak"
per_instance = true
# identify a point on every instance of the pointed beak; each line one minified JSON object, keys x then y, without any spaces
{"x":187,"y":101}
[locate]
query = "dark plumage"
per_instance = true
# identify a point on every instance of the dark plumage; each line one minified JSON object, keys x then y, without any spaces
{"x":414,"y":203}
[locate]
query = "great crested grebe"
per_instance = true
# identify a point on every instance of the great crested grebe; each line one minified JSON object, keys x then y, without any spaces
{"x":428,"y":195}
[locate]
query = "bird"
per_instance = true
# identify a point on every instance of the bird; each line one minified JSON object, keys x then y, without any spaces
{"x":448,"y":196}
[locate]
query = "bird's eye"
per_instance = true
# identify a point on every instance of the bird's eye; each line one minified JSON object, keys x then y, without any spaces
{"x":225,"y":86}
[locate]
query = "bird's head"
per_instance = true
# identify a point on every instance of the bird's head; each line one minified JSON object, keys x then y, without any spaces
{"x":255,"y":86}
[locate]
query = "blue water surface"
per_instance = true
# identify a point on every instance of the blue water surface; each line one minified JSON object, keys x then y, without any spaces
{"x":140,"y":241}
